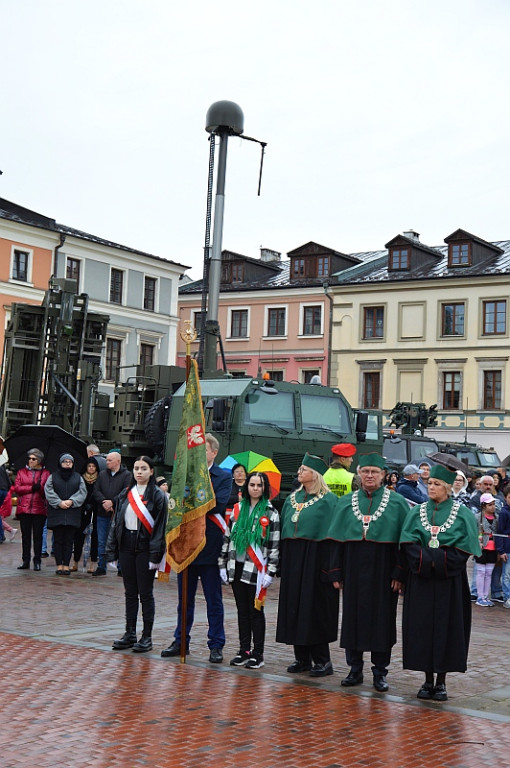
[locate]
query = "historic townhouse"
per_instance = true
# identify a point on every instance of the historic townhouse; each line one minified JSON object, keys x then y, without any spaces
{"x":137,"y":290}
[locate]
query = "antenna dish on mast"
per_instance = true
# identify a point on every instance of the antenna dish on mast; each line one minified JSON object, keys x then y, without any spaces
{"x":225,"y":115}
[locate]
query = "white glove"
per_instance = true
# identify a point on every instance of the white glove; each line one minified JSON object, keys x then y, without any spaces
{"x":153,"y":566}
{"x":223,"y":575}
{"x":267,"y":581}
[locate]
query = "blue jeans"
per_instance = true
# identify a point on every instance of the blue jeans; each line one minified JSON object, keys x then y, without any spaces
{"x":209,"y":575}
{"x":103,"y":526}
{"x":505,"y":578}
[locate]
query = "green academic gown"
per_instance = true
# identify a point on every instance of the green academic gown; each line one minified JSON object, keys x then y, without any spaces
{"x":436,"y":622}
{"x":369,"y":563}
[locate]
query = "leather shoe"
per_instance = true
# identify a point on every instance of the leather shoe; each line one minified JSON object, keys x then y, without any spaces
{"x":426,"y":691}
{"x":321,"y":670}
{"x":216,"y":656}
{"x":299,"y":666}
{"x":380,"y":683}
{"x":353,"y":678}
{"x":143,"y":645}
{"x":127,"y":640}
{"x":24,"y":567}
{"x":440,"y":693}
{"x":37,"y":566}
{"x":173,"y":650}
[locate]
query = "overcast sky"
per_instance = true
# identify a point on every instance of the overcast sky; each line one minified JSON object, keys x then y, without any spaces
{"x":378,"y":117}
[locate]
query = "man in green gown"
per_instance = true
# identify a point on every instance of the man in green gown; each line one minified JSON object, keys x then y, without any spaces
{"x":368,"y":525}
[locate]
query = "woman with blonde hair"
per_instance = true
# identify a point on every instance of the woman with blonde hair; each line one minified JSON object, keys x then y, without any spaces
{"x":308,"y":604}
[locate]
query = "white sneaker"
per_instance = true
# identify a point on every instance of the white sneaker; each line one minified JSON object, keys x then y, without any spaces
{"x":11,"y":534}
{"x":506,"y":604}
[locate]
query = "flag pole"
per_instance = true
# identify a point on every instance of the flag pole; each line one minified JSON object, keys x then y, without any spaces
{"x":188,"y":336}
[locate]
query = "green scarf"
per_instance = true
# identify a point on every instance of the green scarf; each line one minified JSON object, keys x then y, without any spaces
{"x":247,"y":528}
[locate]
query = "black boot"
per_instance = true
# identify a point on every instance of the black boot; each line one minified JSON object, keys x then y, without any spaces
{"x":127,"y":640}
{"x":143,"y":645}
{"x":24,"y":566}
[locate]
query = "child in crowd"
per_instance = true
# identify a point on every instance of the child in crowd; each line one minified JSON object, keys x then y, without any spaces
{"x":485,"y":563}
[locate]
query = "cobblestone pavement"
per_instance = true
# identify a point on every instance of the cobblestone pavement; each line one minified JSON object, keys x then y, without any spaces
{"x":70,"y":700}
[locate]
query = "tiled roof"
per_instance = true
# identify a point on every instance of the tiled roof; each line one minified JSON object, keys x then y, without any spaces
{"x":22,"y":215}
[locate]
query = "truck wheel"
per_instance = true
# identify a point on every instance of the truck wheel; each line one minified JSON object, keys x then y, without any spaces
{"x":155,"y":423}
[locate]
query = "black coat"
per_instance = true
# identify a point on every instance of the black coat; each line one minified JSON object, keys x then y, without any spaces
{"x":59,"y":489}
{"x":157,"y":504}
{"x":436,"y":621}
{"x":109,"y":486}
{"x":222,"y":486}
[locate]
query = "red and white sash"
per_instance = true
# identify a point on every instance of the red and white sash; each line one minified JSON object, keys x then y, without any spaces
{"x":140,"y":509}
{"x":218,"y":519}
{"x":257,"y":558}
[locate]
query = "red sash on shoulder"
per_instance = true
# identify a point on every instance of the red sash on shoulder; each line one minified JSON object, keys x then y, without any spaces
{"x":140,"y":509}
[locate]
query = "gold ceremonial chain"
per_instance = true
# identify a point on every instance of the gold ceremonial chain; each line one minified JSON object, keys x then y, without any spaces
{"x":435,"y":529}
{"x":367,"y":519}
{"x":298,"y":507}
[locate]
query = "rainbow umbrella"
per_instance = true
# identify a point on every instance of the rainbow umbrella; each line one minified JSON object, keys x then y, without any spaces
{"x":256,"y":462}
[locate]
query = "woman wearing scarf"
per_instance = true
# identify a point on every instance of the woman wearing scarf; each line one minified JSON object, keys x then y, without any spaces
{"x":438,"y":537}
{"x":65,"y":493}
{"x":85,"y":529}
{"x":459,"y":488}
{"x":137,"y":540}
{"x":308,"y":604}
{"x":31,"y":509}
{"x":249,"y":561}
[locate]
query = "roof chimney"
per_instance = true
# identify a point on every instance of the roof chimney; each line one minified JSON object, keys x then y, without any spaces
{"x":266,"y":254}
{"x":412,"y":235}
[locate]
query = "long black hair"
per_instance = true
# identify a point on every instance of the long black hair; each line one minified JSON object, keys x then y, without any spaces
{"x":151,"y":485}
{"x":265,"y":485}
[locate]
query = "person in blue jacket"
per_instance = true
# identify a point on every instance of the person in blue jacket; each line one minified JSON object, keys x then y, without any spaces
{"x":503,"y":545}
{"x":205,"y":566}
{"x":408,"y":485}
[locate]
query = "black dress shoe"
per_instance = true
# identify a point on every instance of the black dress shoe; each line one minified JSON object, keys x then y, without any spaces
{"x":380,"y":683}
{"x":143,"y":645}
{"x":173,"y":650}
{"x":24,"y":567}
{"x":426,"y":691}
{"x":321,"y":670}
{"x":353,"y":678}
{"x":216,"y":656}
{"x":299,"y":666}
{"x":44,"y":554}
{"x":127,"y":640}
{"x":37,"y":566}
{"x":440,"y":693}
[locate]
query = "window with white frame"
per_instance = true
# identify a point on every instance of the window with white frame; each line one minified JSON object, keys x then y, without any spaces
{"x":113,"y":358}
{"x":276,"y":321}
{"x":311,"y":323}
{"x":21,"y":265}
{"x":116,"y":285}
{"x":239,"y":323}
{"x":73,"y":268}
{"x":149,"y":293}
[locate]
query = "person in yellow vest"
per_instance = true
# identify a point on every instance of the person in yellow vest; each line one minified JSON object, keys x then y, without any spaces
{"x":337,"y":477}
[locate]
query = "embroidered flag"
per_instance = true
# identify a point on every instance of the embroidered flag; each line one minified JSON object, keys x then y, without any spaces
{"x":192,"y":495}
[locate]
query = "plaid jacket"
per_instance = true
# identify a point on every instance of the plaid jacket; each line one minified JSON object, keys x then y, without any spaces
{"x":270,"y":550}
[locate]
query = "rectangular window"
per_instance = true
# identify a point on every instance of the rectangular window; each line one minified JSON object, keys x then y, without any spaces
{"x":113,"y":358}
{"x":149,"y":294}
{"x":312,"y":321}
{"x":239,"y":324}
{"x":452,"y":320}
{"x":116,"y":284}
{"x":459,"y":255}
{"x":492,"y":390}
{"x":20,"y":265}
{"x":298,"y":268}
{"x":373,"y":322}
{"x":73,"y":270}
{"x":371,"y":389}
{"x":308,"y":376}
{"x":399,"y":259}
{"x":276,"y":321}
{"x":237,"y":273}
{"x":275,"y":375}
{"x":146,"y":356}
{"x":323,"y":266}
{"x":198,"y":318}
{"x":451,"y":390}
{"x":494,"y":318}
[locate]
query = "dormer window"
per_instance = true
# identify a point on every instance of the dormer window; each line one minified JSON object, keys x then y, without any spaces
{"x":323,"y":266}
{"x":309,"y":267}
{"x":298,"y":268}
{"x":459,"y":254}
{"x":399,"y":258}
{"x":232,"y":272}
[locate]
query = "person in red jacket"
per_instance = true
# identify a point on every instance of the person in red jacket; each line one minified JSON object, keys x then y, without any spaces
{"x":31,"y":509}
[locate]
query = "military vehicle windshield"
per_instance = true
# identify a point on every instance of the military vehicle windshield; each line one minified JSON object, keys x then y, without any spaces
{"x":421,"y":448}
{"x":468,"y":456}
{"x":274,"y":410}
{"x":326,"y":413}
{"x":489,"y":459}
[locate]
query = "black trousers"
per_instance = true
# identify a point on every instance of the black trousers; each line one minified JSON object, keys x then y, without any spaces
{"x":31,"y":526}
{"x":138,"y":582}
{"x":251,"y":622}
{"x":63,"y":539}
{"x":319,"y":653}
{"x":380,"y":661}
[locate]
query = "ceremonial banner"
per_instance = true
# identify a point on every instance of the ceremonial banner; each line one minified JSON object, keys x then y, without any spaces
{"x":191,"y":495}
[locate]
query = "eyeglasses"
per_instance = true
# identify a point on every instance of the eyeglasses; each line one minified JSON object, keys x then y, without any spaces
{"x":33,"y":458}
{"x":303,"y":469}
